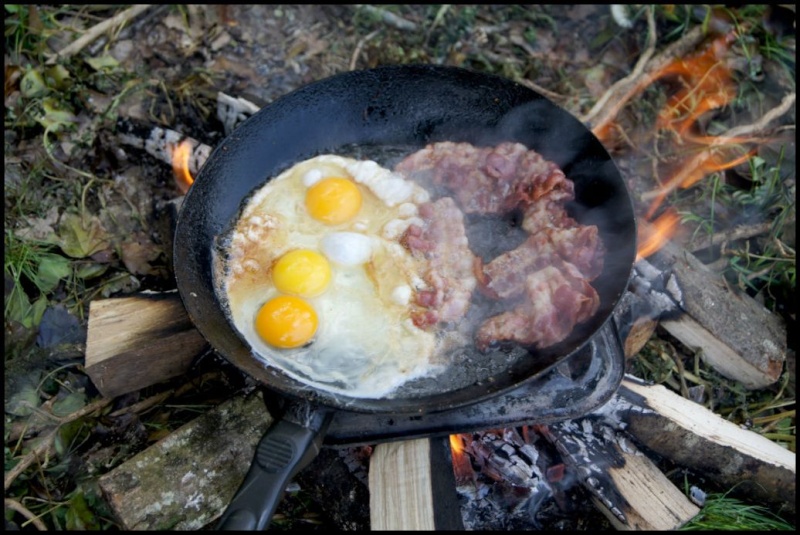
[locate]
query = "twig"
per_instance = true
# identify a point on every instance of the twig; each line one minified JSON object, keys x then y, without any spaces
{"x":557,"y":97}
{"x":624,"y":90}
{"x":47,"y":441}
{"x":99,"y":29}
{"x":359,"y":46}
{"x":14,"y":505}
{"x":759,"y":126}
{"x":389,"y":18}
{"x":628,"y":85}
{"x":145,"y":404}
{"x":734,"y":234}
{"x":731,"y":136}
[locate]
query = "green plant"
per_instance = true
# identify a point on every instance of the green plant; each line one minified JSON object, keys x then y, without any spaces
{"x":722,"y":513}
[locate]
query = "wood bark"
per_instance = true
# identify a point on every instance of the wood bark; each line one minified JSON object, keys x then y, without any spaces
{"x":184,"y":481}
{"x":736,"y":335}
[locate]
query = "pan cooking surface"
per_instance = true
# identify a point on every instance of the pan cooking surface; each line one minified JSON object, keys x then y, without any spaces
{"x":384,"y":114}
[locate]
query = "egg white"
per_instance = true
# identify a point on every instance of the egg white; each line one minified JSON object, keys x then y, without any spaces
{"x":366,"y":344}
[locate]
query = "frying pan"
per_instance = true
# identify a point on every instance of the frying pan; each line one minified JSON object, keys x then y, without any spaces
{"x":400,"y":109}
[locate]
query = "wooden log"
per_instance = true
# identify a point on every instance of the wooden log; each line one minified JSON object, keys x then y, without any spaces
{"x":412,"y":487}
{"x":653,"y":502}
{"x":185,"y":481}
{"x":736,"y":335}
{"x":694,"y":437}
{"x":625,"y":485}
{"x":400,"y":486}
{"x":134,"y":342}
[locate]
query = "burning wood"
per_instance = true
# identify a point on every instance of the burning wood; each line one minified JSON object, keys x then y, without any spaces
{"x":185,"y":154}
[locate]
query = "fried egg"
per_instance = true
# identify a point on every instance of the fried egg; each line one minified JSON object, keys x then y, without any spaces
{"x":317,"y":283}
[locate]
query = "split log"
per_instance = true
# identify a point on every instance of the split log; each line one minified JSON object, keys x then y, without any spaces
{"x":135,"y":342}
{"x":626,"y":486}
{"x":736,"y":335}
{"x":412,"y":486}
{"x":696,"y":438}
{"x":184,"y":481}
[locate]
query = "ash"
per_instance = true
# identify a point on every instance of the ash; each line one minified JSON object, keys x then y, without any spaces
{"x":516,"y":479}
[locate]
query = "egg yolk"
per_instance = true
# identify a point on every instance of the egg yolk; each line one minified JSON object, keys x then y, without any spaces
{"x":286,"y":322}
{"x":302,"y":272}
{"x":333,"y":200}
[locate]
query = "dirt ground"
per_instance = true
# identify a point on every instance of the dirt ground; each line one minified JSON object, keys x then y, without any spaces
{"x":95,"y":209}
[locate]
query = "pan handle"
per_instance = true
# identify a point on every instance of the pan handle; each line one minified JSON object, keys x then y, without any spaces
{"x":286,"y":448}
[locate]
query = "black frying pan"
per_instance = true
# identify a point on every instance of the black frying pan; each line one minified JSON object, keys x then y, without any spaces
{"x":402,"y":109}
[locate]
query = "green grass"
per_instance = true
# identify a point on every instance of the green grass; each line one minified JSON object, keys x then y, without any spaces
{"x":722,"y":513}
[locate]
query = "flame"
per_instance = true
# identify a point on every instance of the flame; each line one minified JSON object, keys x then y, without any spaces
{"x":462,"y":466}
{"x":653,"y":236}
{"x":707,"y":85}
{"x":456,"y":446}
{"x":180,"y":165}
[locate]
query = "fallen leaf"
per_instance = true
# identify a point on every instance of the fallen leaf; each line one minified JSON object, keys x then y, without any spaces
{"x":23,"y":402}
{"x":79,"y":237}
{"x":69,"y":404}
{"x":137,"y":255}
{"x":58,"y":326}
{"x":52,"y":269}
{"x":40,"y":228}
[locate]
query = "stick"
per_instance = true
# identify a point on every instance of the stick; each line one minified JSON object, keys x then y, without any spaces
{"x":630,"y":82}
{"x":14,"y":505}
{"x":359,"y":46}
{"x":630,"y":86}
{"x":97,"y":30}
{"x":47,"y":442}
{"x":734,"y":234}
{"x":731,"y":136}
{"x":389,"y":18}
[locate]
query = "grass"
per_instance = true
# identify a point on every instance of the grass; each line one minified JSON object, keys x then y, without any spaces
{"x":723,"y":513}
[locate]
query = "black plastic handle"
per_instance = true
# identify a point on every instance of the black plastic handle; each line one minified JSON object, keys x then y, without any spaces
{"x":286,"y":448}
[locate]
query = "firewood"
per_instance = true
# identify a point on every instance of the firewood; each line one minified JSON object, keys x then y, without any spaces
{"x":134,"y":342}
{"x":736,"y":335}
{"x":694,"y":437}
{"x":406,"y":502}
{"x":412,"y":486}
{"x":626,"y":486}
{"x":654,"y":503}
{"x":184,"y":481}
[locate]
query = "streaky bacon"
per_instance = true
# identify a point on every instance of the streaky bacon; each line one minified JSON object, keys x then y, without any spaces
{"x":450,"y":277}
{"x":489,"y":180}
{"x":546,"y":279}
{"x":556,"y":301}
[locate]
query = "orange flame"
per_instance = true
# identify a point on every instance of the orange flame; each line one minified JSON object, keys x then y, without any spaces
{"x":693,"y":170}
{"x":462,"y":467}
{"x":180,"y":165}
{"x":653,"y":236}
{"x":456,"y":446}
{"x":707,"y":85}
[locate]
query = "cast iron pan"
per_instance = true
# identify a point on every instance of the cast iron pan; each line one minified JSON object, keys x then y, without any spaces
{"x":402,"y":108}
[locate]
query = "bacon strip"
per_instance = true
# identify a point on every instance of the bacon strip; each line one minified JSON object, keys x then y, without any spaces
{"x":443,"y":242}
{"x":547,"y":278}
{"x":556,"y":302}
{"x":490,"y":180}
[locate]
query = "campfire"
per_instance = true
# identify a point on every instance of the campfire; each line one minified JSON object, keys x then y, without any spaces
{"x":684,"y":388}
{"x":531,"y":463}
{"x":487,"y":463}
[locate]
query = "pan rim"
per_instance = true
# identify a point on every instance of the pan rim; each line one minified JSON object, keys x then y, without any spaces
{"x":199,"y":197}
